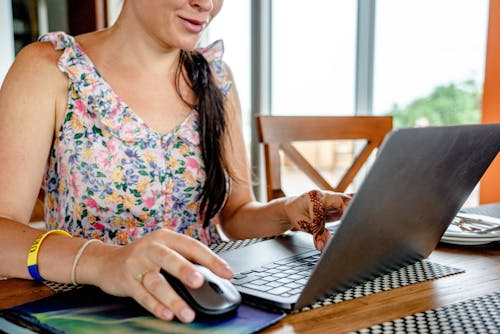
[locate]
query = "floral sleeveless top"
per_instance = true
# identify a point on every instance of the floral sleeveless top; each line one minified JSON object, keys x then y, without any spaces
{"x":109,"y":175}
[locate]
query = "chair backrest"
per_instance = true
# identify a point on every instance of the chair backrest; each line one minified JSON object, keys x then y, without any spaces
{"x":278,"y":132}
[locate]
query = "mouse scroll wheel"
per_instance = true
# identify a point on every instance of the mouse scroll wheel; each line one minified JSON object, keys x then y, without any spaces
{"x":216,"y":288}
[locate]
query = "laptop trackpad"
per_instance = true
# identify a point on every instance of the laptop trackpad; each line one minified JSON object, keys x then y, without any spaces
{"x":260,"y":253}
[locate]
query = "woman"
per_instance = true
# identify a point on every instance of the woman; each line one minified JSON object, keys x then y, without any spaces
{"x":136,"y":136}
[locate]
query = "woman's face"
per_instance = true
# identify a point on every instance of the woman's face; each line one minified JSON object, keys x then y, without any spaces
{"x":175,"y":23}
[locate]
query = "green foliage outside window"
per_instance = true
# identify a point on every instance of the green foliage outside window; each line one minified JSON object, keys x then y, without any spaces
{"x":455,"y":103}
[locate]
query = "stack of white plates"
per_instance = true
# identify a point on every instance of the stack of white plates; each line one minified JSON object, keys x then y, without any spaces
{"x":455,"y":235}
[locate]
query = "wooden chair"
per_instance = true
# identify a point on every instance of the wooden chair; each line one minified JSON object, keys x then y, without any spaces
{"x":278,"y":132}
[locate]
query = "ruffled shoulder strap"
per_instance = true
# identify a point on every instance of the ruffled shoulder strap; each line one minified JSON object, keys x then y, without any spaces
{"x":213,"y":54}
{"x":59,"y":39}
{"x":73,"y":61}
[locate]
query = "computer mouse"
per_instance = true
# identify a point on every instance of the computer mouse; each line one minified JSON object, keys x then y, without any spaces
{"x":217,"y":296}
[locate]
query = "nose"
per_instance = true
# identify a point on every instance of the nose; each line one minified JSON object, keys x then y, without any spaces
{"x":203,"y":5}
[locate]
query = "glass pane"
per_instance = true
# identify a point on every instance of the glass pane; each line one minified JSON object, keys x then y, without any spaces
{"x":313,"y":73}
{"x":429,"y":60}
{"x":232,"y":25}
{"x":313,"y":58}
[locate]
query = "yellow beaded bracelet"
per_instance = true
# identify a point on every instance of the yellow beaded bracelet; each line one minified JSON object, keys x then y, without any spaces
{"x":33,"y":254}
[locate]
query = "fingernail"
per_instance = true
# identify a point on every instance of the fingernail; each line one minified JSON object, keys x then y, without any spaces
{"x":195,"y":278}
{"x":331,"y":210}
{"x":187,"y":314}
{"x":167,"y":315}
{"x":321,"y":245}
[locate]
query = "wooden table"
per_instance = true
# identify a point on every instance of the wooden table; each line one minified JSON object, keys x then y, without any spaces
{"x":482,"y":276}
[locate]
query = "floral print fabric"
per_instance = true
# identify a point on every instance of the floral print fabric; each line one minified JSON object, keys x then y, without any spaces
{"x":109,"y":175}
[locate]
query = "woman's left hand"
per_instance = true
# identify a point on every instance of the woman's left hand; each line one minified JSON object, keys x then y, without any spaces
{"x":310,"y":211}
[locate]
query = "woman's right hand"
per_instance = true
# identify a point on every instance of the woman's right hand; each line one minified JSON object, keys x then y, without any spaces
{"x":134,"y":270}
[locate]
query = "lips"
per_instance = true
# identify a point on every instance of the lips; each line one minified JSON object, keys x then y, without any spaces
{"x":193,"y":26}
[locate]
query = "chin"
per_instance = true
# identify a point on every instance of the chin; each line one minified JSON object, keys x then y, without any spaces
{"x":191,"y":47}
{"x":188,"y":44}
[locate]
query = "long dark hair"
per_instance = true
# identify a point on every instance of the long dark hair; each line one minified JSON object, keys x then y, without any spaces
{"x":212,"y":126}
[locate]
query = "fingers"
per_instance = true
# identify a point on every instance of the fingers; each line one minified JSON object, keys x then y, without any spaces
{"x":312,"y":219}
{"x":175,"y":263}
{"x":335,"y":205}
{"x":175,"y":253}
{"x":317,"y":213}
{"x":321,"y":240}
{"x":196,"y":252}
{"x":158,"y":297}
{"x":312,"y":210}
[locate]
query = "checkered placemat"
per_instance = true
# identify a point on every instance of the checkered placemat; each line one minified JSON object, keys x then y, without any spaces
{"x":230,"y":245}
{"x":417,"y":272}
{"x":474,"y":316}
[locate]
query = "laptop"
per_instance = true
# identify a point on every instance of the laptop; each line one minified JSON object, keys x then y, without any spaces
{"x":418,"y":183}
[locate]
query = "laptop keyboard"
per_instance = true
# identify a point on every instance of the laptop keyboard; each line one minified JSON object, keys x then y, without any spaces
{"x":283,"y":278}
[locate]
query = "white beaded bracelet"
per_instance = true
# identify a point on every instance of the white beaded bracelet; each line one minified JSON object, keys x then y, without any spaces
{"x":77,"y":258}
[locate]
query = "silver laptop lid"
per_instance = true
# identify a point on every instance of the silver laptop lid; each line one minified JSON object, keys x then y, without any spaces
{"x":419,"y":181}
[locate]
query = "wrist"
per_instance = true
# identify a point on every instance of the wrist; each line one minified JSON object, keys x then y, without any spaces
{"x":32,"y":262}
{"x":283,"y":220}
{"x":93,"y":262}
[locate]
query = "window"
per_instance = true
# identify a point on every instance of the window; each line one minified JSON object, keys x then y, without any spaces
{"x":428,"y":64}
{"x":313,"y":73}
{"x":429,"y":60}
{"x":313,"y":57}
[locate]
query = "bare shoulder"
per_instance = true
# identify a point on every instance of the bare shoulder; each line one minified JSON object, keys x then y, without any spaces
{"x":40,"y":50}
{"x":32,"y":86}
{"x":35,"y":71}
{"x":36,"y":58}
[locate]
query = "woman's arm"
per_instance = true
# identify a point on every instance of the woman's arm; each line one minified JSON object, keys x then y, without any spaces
{"x":27,"y":116}
{"x":241,"y":206}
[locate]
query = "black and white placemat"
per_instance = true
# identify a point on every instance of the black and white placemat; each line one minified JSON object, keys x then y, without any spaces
{"x":230,"y":245}
{"x":474,"y":316}
{"x":418,"y":272}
